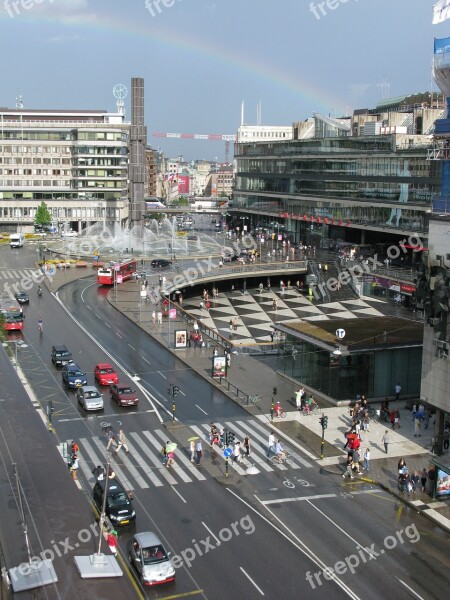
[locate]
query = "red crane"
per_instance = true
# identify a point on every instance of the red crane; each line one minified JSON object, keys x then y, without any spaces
{"x":216,"y":137}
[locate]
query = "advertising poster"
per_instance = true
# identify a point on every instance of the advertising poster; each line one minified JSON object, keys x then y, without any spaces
{"x":173,"y":313}
{"x":443,"y":484}
{"x":180,"y":338}
{"x":219,"y":366}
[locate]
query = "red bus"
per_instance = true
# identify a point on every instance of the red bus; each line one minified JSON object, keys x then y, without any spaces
{"x":107,"y":275}
{"x":11,"y":313}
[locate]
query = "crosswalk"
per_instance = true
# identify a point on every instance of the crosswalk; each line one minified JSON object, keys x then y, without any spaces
{"x":18,"y":274}
{"x":142,"y":467}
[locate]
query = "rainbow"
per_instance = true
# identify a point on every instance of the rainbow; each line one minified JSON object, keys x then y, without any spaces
{"x":320,"y":99}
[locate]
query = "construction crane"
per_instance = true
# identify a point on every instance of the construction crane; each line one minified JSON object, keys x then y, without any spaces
{"x":216,"y":137}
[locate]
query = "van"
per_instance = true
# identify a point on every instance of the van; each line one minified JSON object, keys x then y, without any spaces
{"x":16,"y":240}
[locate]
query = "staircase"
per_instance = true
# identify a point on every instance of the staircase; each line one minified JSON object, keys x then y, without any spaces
{"x":346,"y":292}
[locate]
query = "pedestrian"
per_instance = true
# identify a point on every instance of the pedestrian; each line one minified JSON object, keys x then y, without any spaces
{"x":271,"y":446}
{"x":170,"y":459}
{"x":423,"y":479}
{"x":417,"y":426}
{"x":415,"y":478}
{"x":99,"y":473}
{"x":198,"y":451}
{"x":414,"y":410}
{"x":356,"y":458}
{"x":74,"y":464}
{"x":74,"y":448}
{"x":215,"y":352}
{"x":121,"y":442}
{"x":237,"y":452}
{"x":446,"y":436}
{"x":401,"y":465}
{"x":427,"y":417}
{"x":111,"y":540}
{"x":397,"y":390}
{"x":159,"y":317}
{"x":261,"y":288}
{"x":397,"y":419}
{"x":392,"y":419}
{"x":298,"y":399}
{"x":192,"y":450}
{"x":385,"y":440}
{"x":154,"y":317}
{"x":196,"y":326}
{"x":348,"y":467}
{"x":367,"y":459}
{"x":246,"y":444}
{"x":111,"y":435}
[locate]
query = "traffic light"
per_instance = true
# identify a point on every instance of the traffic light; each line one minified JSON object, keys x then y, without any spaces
{"x":50,"y":410}
{"x":321,"y":421}
{"x":230,"y":437}
{"x":275,"y":391}
{"x":325,"y":422}
{"x":175,"y":391}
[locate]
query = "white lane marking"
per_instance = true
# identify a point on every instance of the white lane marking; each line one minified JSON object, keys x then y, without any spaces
{"x":118,"y":335}
{"x":178,"y":494}
{"x":154,"y":459}
{"x":199,"y":408}
{"x":160,"y":373}
{"x":301,"y":460}
{"x":143,"y":466}
{"x":115,"y":467}
{"x":182,"y":393}
{"x":180,"y":457}
{"x":410,"y":589}
{"x":212,"y":533}
{"x":299,"y":545}
{"x":340,"y":528}
{"x":132,"y":347}
{"x":262,"y":462}
{"x":107,"y":325}
{"x":251,"y":581}
{"x":143,"y":358}
{"x":231,"y":463}
{"x":88,"y":307}
{"x":98,"y":316}
{"x":298,"y":499}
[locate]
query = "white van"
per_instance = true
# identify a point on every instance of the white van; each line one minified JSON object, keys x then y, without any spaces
{"x":16,"y":240}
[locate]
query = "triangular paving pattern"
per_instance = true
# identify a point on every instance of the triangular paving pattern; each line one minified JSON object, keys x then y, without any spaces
{"x":369,"y":311}
{"x":316,"y":318}
{"x":333,"y":305}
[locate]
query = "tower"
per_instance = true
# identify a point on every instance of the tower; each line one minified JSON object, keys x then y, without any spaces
{"x":138,"y":141}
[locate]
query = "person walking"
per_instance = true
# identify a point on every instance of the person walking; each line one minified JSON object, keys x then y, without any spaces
{"x":237,"y":452}
{"x":121,"y":442}
{"x":367,"y":459}
{"x":415,"y":478}
{"x":246,"y":444}
{"x":192,"y":450}
{"x":385,"y":440}
{"x":199,"y":452}
{"x":74,"y":464}
{"x":271,"y":446}
{"x":159,"y":317}
{"x":423,"y":480}
{"x":170,"y":459}
{"x":154,"y":317}
{"x":397,"y":390}
{"x":348,"y":467}
{"x":417,"y":427}
{"x":397,"y":419}
{"x":164,"y":452}
{"x":111,"y":435}
{"x":298,"y":399}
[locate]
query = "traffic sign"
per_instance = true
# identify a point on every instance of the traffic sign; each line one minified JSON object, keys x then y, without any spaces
{"x":117,"y":266}
{"x":119,"y":278}
{"x":227,"y":452}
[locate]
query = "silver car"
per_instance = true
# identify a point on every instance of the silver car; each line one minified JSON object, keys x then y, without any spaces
{"x":149,"y":558}
{"x":90,"y":398}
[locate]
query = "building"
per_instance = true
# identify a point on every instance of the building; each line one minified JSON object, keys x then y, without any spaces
{"x":220,"y":181}
{"x":201,"y":170}
{"x":264,"y":133}
{"x":151,"y":166}
{"x":361,"y":179}
{"x":74,"y":161}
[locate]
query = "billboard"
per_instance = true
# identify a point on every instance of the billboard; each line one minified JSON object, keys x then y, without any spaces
{"x":183,"y":184}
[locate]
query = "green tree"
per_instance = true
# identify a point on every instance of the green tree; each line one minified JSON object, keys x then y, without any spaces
{"x":43,"y":216}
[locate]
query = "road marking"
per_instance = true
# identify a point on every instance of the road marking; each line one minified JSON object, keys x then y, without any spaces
{"x":181,"y":392}
{"x":178,"y":494}
{"x":251,"y":581}
{"x":107,"y":325}
{"x":132,"y":347}
{"x":212,"y":533}
{"x":118,"y":335}
{"x":297,"y":499}
{"x":184,"y":595}
{"x":143,"y":358}
{"x":199,"y":408}
{"x":301,"y":546}
{"x":159,"y":372}
{"x":98,"y":316}
{"x":410,"y":589}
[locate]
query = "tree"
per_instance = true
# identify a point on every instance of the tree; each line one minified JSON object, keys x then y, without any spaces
{"x":43,"y":216}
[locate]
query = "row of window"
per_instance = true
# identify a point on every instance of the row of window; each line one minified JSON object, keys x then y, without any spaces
{"x":64,"y":136}
{"x":14,"y":149}
{"x":60,"y":183}
{"x":52,"y":172}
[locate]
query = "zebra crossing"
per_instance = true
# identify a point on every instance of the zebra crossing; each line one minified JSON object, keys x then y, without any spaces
{"x":18,"y":274}
{"x":142,"y":468}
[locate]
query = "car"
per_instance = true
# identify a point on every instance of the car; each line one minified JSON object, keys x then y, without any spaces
{"x":119,"y":507}
{"x":73,"y":376}
{"x":90,"y":398}
{"x":192,"y":237}
{"x":105,"y":374}
{"x":161,"y":263}
{"x":230,"y":257}
{"x":254,"y":253}
{"x":22,"y":297}
{"x":152,"y":563}
{"x":69,"y":233}
{"x":61,"y":356}
{"x":124,"y":395}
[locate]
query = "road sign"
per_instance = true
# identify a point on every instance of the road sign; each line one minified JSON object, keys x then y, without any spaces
{"x":117,"y":266}
{"x":227,"y":452}
{"x":119,"y":278}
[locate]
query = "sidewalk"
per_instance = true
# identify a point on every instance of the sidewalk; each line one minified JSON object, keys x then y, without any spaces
{"x":251,"y":376}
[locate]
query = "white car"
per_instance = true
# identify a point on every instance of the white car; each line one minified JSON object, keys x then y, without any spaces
{"x":90,"y":398}
{"x":70,"y":233}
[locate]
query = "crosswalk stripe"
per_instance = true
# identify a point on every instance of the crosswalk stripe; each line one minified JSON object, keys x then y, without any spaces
{"x":256,"y":435}
{"x":160,"y":468}
{"x":178,"y":457}
{"x":262,"y":462}
{"x":235,"y":466}
{"x":183,"y":459}
{"x":297,"y":457}
{"x":87,"y":471}
{"x":116,"y":468}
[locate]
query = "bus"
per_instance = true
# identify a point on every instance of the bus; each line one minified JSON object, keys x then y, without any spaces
{"x":11,"y":313}
{"x":107,"y":275}
{"x":154,"y":203}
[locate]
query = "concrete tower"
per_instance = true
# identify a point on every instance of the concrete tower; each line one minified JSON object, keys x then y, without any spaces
{"x":138,"y":141}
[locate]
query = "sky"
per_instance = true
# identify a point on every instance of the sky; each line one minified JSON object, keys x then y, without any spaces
{"x":201,"y":59}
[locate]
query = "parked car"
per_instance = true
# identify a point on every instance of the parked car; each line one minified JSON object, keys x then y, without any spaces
{"x":119,"y":507}
{"x":150,"y":559}
{"x":61,"y":356}
{"x":160,"y":263}
{"x":90,"y":398}
{"x":124,"y":395}
{"x":22,"y":297}
{"x":230,"y":257}
{"x":69,"y":233}
{"x":73,"y":376}
{"x":105,"y":374}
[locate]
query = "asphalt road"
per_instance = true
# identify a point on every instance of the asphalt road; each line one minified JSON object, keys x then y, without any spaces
{"x":287,"y":523}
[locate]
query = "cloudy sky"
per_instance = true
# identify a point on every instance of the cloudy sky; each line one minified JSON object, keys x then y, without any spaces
{"x":201,"y":58}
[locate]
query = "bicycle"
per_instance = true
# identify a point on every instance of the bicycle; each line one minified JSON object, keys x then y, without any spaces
{"x":279,"y":459}
{"x":253,"y":399}
{"x":280,"y":414}
{"x":311,"y":411}
{"x":40,"y":327}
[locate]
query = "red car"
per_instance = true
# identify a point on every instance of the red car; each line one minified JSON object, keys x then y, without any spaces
{"x":105,"y":374}
{"x":124,"y":395}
